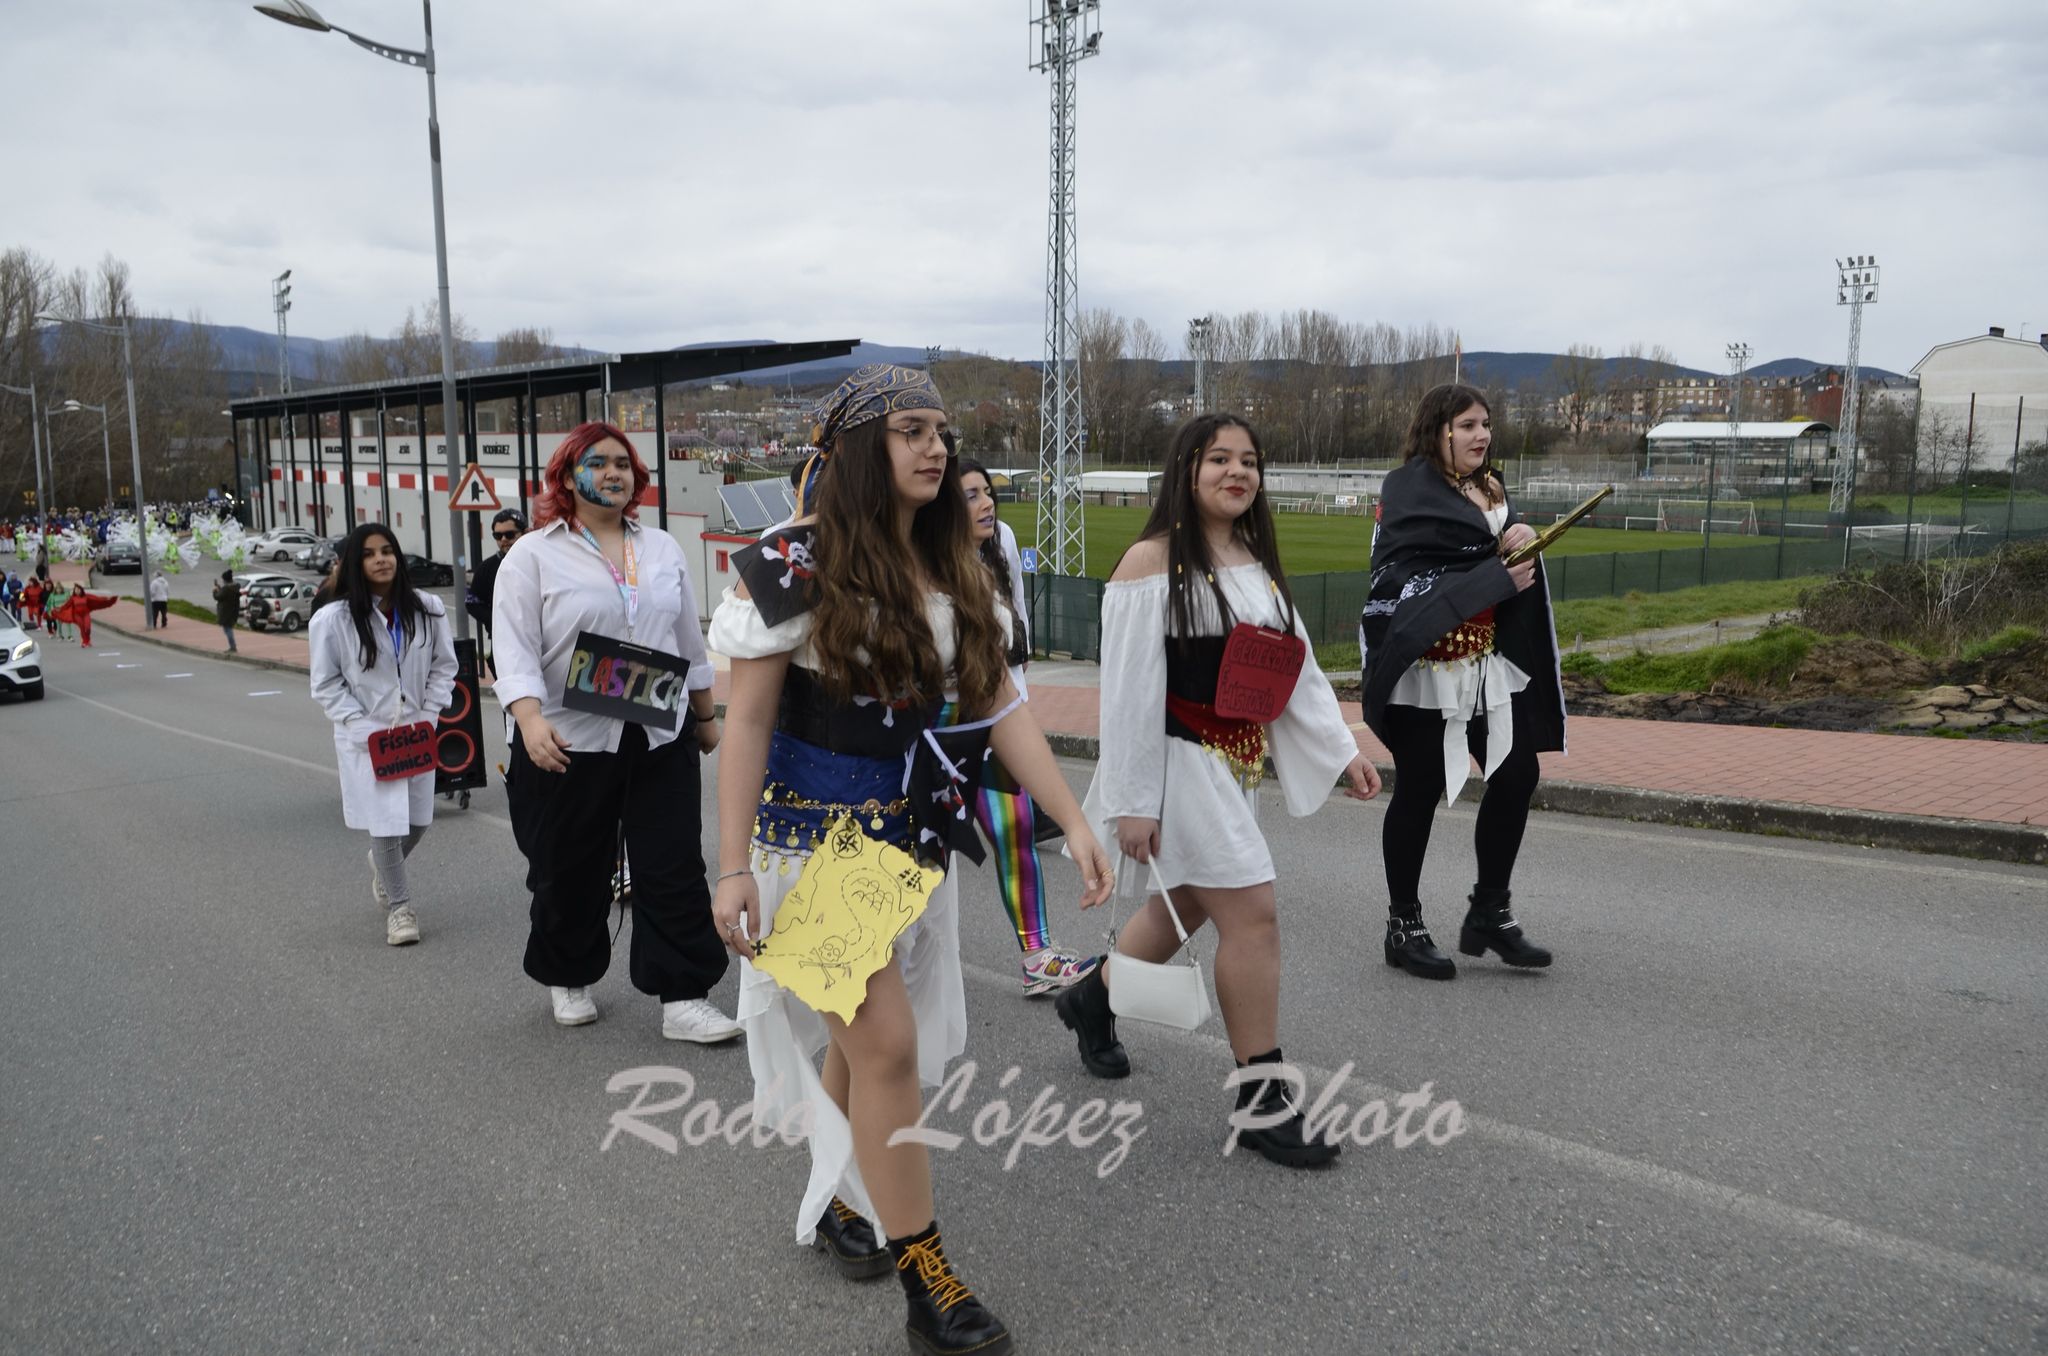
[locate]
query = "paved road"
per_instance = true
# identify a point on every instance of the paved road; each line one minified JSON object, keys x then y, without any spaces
{"x":1774,"y":1098}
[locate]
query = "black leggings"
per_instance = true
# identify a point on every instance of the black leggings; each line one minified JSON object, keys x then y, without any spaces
{"x":1416,"y":739}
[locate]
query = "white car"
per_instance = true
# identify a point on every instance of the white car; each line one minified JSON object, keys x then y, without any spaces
{"x":21,"y":662}
{"x":281,"y":544}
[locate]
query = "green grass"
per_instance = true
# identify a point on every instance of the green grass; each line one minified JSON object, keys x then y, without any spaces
{"x":178,"y":607}
{"x":1765,"y":660}
{"x":1314,"y":544}
{"x":2010,"y":639}
{"x":1606,"y":618}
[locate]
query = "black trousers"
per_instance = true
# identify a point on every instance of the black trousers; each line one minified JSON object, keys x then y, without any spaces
{"x":1416,"y":739}
{"x":568,"y":824}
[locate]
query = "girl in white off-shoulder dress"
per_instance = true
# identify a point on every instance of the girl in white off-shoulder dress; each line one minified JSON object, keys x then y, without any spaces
{"x":851,"y":629}
{"x":1175,"y":788}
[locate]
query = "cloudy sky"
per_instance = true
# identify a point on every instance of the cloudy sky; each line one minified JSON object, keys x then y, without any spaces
{"x":635,"y":174}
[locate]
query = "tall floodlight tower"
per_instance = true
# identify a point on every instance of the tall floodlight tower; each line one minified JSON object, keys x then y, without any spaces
{"x":1855,"y":284}
{"x":1738,"y":359}
{"x":281,"y":302}
{"x":1064,"y":33}
{"x":1198,"y":349}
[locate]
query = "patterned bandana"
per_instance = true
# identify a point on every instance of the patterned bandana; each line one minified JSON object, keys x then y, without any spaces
{"x":872,"y":392}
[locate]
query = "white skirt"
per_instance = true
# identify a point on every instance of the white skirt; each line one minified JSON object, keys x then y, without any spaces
{"x":785,"y":1037}
{"x":383,"y":809}
{"x":1208,"y":828}
{"x":1457,"y":690}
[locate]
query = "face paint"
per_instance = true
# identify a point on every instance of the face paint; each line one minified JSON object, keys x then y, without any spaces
{"x":588,"y":470}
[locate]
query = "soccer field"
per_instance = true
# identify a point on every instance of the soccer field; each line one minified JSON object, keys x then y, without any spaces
{"x":1314,"y":544}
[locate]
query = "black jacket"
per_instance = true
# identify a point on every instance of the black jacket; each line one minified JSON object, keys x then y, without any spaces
{"x":483,"y":588}
{"x":227,"y":603}
{"x":1434,"y":564}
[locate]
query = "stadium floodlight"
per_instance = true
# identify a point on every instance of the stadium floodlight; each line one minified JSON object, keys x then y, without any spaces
{"x":1855,"y":286}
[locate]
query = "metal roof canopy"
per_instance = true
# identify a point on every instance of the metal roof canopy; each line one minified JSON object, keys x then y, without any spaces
{"x":1716,"y":430}
{"x":559,"y":376}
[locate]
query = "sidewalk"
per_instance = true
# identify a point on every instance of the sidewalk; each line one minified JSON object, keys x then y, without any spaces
{"x":1974,"y":798}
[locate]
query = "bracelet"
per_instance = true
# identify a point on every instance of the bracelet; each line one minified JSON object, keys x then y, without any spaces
{"x":743,"y":871}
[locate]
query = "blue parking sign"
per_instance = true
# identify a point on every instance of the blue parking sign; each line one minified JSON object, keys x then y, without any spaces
{"x":1030,"y":554}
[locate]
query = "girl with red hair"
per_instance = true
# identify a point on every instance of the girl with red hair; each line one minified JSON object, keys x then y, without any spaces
{"x":585,"y":776}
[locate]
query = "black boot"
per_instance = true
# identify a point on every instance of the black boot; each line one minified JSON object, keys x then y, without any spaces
{"x":1084,"y":1009}
{"x":945,"y":1317}
{"x":1489,"y":926}
{"x":1411,"y":948}
{"x":851,"y":1242}
{"x":1284,"y":1141}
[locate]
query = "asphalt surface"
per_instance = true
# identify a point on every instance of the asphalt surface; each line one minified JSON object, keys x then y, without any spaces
{"x":1773,"y":1097}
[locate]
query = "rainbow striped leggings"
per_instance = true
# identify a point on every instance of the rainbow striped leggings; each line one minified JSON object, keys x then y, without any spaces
{"x":1009,"y":822}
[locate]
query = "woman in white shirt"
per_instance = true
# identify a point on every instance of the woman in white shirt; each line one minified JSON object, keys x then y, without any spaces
{"x":606,"y":739}
{"x":1459,"y":658}
{"x":382,"y":658}
{"x":1177,"y":782}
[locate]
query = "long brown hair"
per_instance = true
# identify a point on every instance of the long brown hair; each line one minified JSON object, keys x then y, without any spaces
{"x":1177,"y":520}
{"x":1440,"y":405}
{"x":870,"y":630}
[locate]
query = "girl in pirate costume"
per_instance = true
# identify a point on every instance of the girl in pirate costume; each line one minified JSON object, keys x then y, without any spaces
{"x":1176,"y":782}
{"x":849,"y":631}
{"x":1460,"y":663}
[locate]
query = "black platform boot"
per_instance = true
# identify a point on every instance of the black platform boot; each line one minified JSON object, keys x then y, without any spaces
{"x":1411,"y":948}
{"x":850,"y":1241}
{"x":1489,"y":926}
{"x":1284,"y":1141}
{"x":945,"y":1317}
{"x":1084,"y":1009}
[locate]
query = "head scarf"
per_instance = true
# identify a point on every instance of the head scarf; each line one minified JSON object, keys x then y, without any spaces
{"x":872,"y":392}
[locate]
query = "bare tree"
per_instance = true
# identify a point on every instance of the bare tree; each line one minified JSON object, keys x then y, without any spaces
{"x":1577,"y":377}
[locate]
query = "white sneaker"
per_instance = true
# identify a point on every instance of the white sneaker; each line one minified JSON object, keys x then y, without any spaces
{"x":697,"y":1019}
{"x":400,"y":927}
{"x":573,"y":1006}
{"x":377,"y":884}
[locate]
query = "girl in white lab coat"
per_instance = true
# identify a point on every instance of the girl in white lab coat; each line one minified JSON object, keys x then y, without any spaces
{"x":382,"y":657}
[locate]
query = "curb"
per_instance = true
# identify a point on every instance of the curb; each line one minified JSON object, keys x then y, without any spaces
{"x":2024,"y":844}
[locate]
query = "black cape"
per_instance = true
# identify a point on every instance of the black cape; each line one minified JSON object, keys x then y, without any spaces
{"x":1434,"y":564}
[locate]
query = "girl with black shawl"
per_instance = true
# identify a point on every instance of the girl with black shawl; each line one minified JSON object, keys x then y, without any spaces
{"x":1460,"y":662}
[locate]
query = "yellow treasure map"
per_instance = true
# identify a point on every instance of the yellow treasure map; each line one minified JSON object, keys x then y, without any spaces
{"x":839,"y":923}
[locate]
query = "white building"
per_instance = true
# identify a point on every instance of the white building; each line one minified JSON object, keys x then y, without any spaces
{"x":1990,"y":388}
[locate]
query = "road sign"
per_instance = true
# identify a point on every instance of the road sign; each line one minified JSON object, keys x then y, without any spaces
{"x":473,"y":493}
{"x":1030,"y":554}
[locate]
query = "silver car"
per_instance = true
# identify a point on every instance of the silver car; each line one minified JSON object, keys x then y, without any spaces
{"x":21,"y":661}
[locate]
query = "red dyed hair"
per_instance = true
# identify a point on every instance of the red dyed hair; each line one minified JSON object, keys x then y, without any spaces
{"x":557,"y":493}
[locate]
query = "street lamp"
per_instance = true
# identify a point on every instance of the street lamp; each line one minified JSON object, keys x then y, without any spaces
{"x":134,"y":436}
{"x":299,"y":14}
{"x":1198,"y":345}
{"x":106,"y":440}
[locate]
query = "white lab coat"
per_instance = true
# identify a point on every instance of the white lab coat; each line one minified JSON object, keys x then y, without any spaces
{"x":362,"y":701}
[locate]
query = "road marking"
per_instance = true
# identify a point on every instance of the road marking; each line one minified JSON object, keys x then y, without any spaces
{"x":127,"y":666}
{"x":1946,"y":1263}
{"x":177,"y":675}
{"x":110,"y":654}
{"x":268,"y":692}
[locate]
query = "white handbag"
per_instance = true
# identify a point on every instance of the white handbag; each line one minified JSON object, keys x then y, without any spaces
{"x":1171,"y":994}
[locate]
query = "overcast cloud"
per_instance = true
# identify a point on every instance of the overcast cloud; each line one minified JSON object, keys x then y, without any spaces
{"x":634,"y":175}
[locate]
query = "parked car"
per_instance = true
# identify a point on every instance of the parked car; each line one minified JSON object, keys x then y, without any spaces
{"x":320,"y":556}
{"x":21,"y":663}
{"x":279,"y":545}
{"x":428,"y":573}
{"x":119,"y":557}
{"x":287,"y":604}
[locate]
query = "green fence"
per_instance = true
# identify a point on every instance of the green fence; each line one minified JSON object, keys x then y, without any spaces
{"x":1067,"y":613}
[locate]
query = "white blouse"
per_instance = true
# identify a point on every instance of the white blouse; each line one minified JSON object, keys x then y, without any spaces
{"x":1208,"y":829}
{"x":1460,"y":689}
{"x":552,"y":586}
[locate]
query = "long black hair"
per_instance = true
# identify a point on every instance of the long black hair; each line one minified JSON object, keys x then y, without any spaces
{"x":1440,"y":406}
{"x":991,"y":551}
{"x":353,"y":590}
{"x":1178,"y":522}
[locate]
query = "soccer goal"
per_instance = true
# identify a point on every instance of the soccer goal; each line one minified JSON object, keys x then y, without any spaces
{"x":1691,"y":515}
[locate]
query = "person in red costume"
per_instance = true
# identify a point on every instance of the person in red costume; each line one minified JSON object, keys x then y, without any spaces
{"x":78,"y":609}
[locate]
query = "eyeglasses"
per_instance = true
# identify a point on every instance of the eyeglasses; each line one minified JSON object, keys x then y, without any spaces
{"x":920,"y":437}
{"x":505,"y":536}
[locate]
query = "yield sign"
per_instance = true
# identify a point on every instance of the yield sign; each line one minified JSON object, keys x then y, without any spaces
{"x":474,"y":494}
